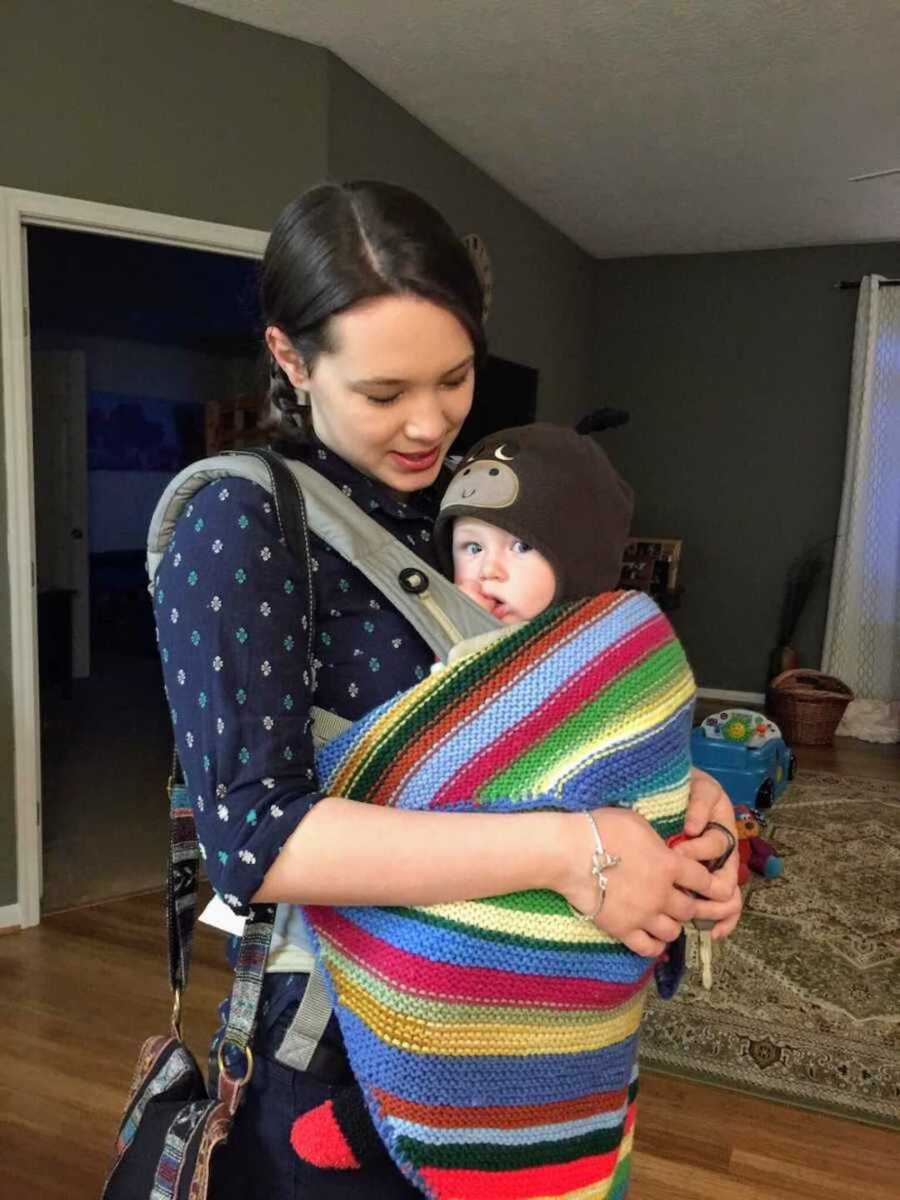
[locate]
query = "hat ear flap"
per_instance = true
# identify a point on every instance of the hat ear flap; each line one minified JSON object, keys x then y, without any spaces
{"x":602,"y":418}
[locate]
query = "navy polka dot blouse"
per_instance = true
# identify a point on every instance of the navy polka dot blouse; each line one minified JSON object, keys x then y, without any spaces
{"x":232,"y":637}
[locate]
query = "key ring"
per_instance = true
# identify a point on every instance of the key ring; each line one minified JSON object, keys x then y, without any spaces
{"x":718,"y":863}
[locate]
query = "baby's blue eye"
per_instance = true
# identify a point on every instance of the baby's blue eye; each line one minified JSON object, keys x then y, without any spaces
{"x":471,"y":548}
{"x":521,"y":547}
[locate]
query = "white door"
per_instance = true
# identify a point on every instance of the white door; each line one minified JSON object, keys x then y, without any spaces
{"x":59,"y":421}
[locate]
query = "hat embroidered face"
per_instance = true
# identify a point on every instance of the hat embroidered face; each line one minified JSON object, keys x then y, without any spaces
{"x":485,"y":482}
{"x":554,"y":490}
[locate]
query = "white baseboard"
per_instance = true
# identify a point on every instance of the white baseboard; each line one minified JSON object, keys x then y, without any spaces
{"x":730,"y":697}
{"x":10,"y":917}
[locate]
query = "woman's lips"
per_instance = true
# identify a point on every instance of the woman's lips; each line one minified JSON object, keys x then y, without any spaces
{"x":421,"y":461}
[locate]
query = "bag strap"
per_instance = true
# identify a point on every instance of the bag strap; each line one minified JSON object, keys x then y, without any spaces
{"x":181,"y":907}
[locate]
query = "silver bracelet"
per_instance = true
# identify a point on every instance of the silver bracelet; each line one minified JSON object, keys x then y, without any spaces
{"x":601,"y":861}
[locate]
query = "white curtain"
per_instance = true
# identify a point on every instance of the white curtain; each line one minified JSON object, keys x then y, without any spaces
{"x":862,"y":636}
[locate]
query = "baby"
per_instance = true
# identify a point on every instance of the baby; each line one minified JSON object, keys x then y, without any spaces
{"x":534,"y":516}
{"x":495,"y":1040}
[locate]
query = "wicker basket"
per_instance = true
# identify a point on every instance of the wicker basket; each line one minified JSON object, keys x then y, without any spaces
{"x":808,"y":706}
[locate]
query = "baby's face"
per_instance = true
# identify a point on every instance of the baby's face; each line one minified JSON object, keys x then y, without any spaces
{"x":501,"y":572}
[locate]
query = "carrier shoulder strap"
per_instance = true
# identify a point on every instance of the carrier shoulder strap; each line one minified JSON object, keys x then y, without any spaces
{"x":436,"y":609}
{"x":439,"y":612}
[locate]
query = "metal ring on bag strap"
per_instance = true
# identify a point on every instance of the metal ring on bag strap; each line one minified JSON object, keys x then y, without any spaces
{"x":247,"y":1052}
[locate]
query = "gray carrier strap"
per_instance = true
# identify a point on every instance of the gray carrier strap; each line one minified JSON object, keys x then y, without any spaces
{"x":305,"y":1030}
{"x":313,"y":1013}
{"x":326,"y":726}
{"x":438,"y":611}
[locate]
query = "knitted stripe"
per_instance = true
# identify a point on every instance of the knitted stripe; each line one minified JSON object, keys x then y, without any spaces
{"x":486,"y":1079}
{"x":511,"y":668}
{"x":480,"y":919}
{"x":516,"y":764}
{"x":439,"y":1010}
{"x":475,"y":1135}
{"x":519,"y":1116}
{"x":525,"y":697}
{"x":495,"y":1156}
{"x":394,"y":729}
{"x":495,"y":1040}
{"x":599,"y":729}
{"x":418,"y":973}
{"x":391,"y":942}
{"x":469,"y":752}
{"x":494,"y":1036}
{"x":594,"y":1175}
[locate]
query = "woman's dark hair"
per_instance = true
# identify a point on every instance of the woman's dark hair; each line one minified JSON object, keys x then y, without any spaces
{"x":338,"y":244}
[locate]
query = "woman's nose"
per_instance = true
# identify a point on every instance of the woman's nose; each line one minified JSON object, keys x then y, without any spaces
{"x":425,"y":421}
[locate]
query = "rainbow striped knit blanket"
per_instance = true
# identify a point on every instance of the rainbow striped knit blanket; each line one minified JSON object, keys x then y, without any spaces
{"x":495,"y":1041}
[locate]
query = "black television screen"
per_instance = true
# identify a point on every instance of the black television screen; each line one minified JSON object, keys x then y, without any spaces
{"x":505,"y":395}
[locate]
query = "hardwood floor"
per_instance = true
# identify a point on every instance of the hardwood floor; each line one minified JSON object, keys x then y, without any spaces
{"x":78,"y":994}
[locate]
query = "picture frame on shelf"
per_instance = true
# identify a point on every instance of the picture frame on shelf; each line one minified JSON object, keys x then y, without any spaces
{"x":652,"y":565}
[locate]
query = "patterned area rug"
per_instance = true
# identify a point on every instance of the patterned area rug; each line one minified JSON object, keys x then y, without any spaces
{"x":805,"y":1005}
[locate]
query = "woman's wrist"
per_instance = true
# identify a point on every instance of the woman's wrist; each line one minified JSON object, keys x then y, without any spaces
{"x":575,"y":846}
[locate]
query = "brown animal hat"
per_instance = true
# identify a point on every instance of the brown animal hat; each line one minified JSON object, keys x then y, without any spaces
{"x":553,"y":488}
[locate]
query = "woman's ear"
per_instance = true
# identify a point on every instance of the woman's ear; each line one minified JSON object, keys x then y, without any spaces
{"x":283,"y":351}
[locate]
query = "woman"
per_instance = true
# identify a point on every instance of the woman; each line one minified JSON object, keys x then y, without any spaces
{"x":373,"y":327}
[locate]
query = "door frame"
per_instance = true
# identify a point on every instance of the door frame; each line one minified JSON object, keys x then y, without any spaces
{"x":19,"y":209}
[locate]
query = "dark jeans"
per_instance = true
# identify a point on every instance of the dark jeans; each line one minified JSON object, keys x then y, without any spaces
{"x":258,"y":1161}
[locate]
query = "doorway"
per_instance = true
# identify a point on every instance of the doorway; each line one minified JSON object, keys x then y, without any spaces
{"x":20,"y":815}
{"x":130,"y":341}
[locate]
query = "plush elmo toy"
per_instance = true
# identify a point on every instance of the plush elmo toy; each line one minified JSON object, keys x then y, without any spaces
{"x":754,"y":852}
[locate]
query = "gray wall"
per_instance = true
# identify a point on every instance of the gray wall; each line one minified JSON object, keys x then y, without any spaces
{"x":155,"y":106}
{"x":543,"y":283}
{"x":736,"y":369}
{"x":152,"y":106}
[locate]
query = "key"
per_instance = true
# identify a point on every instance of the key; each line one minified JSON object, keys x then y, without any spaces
{"x":703,"y":928}
{"x":704,"y":925}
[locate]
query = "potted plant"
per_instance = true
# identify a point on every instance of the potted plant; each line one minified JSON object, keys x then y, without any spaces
{"x":802,"y":575}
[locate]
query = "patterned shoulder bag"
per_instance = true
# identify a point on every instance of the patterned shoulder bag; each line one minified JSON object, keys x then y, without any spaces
{"x":171,"y":1127}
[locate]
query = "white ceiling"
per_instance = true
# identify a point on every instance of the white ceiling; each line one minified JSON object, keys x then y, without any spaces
{"x":644,"y":126}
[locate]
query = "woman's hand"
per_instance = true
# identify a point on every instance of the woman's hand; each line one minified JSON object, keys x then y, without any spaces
{"x":709,"y":802}
{"x":725,"y":914}
{"x":645,"y":905}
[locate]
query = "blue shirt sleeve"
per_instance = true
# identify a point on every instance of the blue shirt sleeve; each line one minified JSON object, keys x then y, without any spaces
{"x":230,"y":614}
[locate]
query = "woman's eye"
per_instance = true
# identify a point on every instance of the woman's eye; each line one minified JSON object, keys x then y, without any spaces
{"x":384,"y":399}
{"x":455,"y":383}
{"x":521,"y":547}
